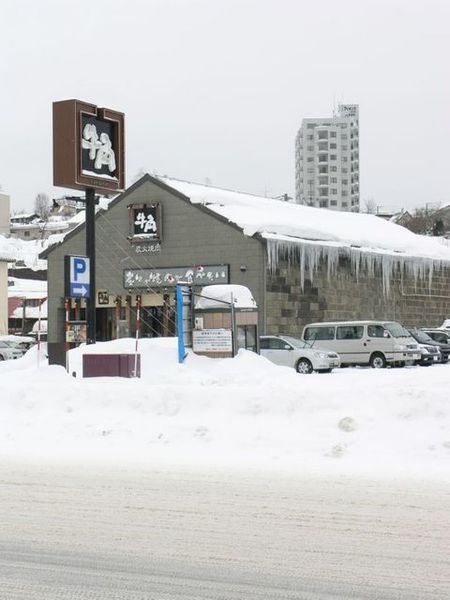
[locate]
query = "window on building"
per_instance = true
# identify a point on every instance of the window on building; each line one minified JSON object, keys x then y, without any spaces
{"x":310,"y":148}
{"x":344,"y":148}
{"x":310,"y":137}
{"x":344,"y":125}
{"x":343,"y":136}
{"x":323,"y":180}
{"x":311,"y":125}
{"x":333,"y":134}
{"x":344,"y":181}
{"x":333,"y":180}
{"x":310,"y":159}
{"x":333,"y":169}
{"x":344,"y":204}
{"x":323,"y":169}
{"x":310,"y":181}
{"x":344,"y":159}
{"x":333,"y":156}
{"x":323,"y":203}
{"x":344,"y":170}
{"x":323,"y":145}
{"x":323,"y":135}
{"x":349,"y":332}
{"x":323,"y":191}
{"x":333,"y":202}
{"x":344,"y":193}
{"x":333,"y":191}
{"x":333,"y":146}
{"x":310,"y":170}
{"x":26,"y":234}
{"x":323,"y":158}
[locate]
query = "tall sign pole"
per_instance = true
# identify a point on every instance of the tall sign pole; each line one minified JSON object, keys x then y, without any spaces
{"x":88,"y":155}
{"x":90,"y":253}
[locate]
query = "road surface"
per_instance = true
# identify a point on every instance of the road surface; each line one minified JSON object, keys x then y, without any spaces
{"x":121,"y":534}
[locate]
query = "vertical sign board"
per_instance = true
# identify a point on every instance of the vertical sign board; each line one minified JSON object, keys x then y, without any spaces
{"x":77,"y":276}
{"x":88,"y":147}
{"x":88,"y":154}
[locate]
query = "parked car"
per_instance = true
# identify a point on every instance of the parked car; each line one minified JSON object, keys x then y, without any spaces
{"x":445,"y":325}
{"x":15,"y":345}
{"x":428,"y":348}
{"x":443,"y":339}
{"x":438,"y":335}
{"x":7,"y":352}
{"x":374,"y":343}
{"x":292,"y":352}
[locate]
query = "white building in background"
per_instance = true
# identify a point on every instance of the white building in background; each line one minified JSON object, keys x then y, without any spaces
{"x":327,"y":161}
{"x":4,"y":213}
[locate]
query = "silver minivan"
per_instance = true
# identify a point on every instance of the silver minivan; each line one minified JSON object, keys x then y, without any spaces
{"x":374,"y":343}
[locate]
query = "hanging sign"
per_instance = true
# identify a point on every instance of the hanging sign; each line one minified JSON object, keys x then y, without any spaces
{"x":88,"y":147}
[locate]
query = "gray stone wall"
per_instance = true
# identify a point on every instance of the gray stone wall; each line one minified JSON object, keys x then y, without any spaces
{"x":190,"y":237}
{"x":344,"y":297}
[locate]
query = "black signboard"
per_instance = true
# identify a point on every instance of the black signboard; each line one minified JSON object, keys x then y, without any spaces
{"x":145,"y":222}
{"x":169,"y":277}
{"x":98,"y":155}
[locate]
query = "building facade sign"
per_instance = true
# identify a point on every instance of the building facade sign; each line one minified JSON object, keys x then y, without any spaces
{"x":145,"y":222}
{"x":212,"y":340}
{"x":141,"y":279}
{"x":88,"y":147}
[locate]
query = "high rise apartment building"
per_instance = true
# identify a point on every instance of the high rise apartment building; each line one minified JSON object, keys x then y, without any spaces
{"x":327,"y":161}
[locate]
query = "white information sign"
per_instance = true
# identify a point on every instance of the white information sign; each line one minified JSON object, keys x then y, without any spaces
{"x":212,"y":340}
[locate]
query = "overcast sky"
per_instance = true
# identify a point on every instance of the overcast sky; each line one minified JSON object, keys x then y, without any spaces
{"x":216,"y":89}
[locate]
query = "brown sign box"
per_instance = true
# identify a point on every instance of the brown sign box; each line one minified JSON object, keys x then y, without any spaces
{"x":83,"y":158}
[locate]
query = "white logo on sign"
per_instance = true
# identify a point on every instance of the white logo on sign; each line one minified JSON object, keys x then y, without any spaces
{"x":145,"y":222}
{"x":100,"y":149}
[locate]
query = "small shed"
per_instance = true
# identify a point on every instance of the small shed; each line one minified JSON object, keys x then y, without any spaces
{"x":225,"y":320}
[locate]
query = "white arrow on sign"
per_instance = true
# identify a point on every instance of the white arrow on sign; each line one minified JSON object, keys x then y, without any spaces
{"x":80,"y":290}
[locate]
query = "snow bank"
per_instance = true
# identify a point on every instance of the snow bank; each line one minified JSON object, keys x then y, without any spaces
{"x":219,"y":296}
{"x":243,"y":412}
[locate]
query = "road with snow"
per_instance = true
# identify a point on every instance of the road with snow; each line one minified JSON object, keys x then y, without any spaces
{"x":81,"y":533}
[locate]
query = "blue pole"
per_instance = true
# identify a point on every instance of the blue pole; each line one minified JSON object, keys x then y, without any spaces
{"x":181,"y":349}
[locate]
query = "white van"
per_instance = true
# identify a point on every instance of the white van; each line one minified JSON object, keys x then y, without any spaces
{"x":374,"y":343}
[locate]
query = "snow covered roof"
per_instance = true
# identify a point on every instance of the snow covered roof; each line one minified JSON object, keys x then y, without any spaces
{"x":26,"y":288}
{"x":221,"y":296}
{"x":295,"y":223}
{"x":14,"y":249}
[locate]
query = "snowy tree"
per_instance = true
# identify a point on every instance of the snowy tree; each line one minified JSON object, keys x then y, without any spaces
{"x":370,"y":206}
{"x":42,"y":206}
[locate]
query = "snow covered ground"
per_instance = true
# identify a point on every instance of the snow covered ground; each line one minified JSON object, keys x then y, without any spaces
{"x":243,"y":413}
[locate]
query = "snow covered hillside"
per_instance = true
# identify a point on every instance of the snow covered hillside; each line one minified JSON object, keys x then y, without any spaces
{"x":243,"y":412}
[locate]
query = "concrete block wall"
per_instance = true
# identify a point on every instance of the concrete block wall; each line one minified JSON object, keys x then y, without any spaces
{"x":343,"y":297}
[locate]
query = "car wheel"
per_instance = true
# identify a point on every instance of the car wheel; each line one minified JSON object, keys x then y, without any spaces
{"x":377,"y":360}
{"x":2,"y":357}
{"x":304,"y":366}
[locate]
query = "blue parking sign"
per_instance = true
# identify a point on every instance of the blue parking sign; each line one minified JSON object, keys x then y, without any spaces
{"x":77,"y":276}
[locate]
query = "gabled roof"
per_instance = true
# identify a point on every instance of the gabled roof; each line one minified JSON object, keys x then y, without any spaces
{"x":290,"y":223}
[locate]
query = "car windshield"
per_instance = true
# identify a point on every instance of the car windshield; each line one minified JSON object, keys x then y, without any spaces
{"x":396,"y":330}
{"x":421,"y":336}
{"x":295,"y":342}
